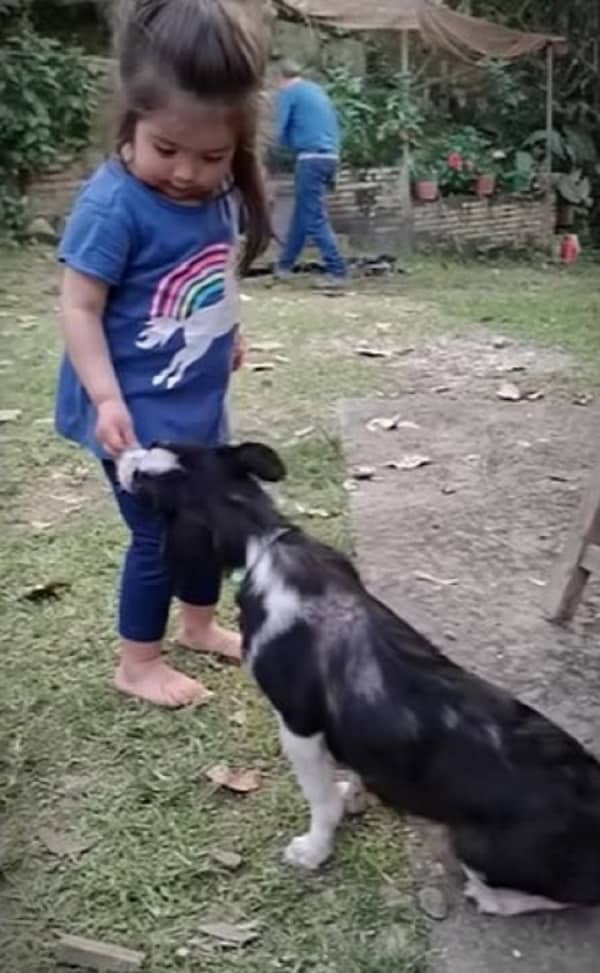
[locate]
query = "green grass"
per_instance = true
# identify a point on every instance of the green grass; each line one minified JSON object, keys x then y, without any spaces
{"x":131,"y":779}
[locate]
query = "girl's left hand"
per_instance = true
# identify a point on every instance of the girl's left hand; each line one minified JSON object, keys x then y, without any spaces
{"x":239,"y":351}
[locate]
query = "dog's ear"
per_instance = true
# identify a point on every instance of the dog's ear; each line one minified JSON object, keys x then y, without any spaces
{"x":262,"y":461}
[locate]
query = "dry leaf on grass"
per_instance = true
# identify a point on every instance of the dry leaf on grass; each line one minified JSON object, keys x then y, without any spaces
{"x":367,"y":351}
{"x":65,"y":844}
{"x":266,"y":347}
{"x":412,"y":461}
{"x":509,"y":392}
{"x":42,"y":592}
{"x":10,"y":415}
{"x":313,"y":512}
{"x":305,"y":431}
{"x":240,"y":781}
{"x":231,"y":933}
{"x":535,"y":396}
{"x":228,"y":859}
{"x":41,"y":524}
{"x":584,"y":399}
{"x":260,"y":366}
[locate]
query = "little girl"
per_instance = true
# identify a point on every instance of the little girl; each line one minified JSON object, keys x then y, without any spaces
{"x":149,"y":295}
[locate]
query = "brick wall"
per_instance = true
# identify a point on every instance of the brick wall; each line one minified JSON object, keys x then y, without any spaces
{"x":372,"y":208}
{"x":464,"y":222}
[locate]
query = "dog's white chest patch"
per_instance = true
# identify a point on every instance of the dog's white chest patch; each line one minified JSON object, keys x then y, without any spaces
{"x":282,"y":605}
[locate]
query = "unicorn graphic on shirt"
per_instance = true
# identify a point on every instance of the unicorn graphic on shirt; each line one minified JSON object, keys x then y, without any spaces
{"x":198,"y":298}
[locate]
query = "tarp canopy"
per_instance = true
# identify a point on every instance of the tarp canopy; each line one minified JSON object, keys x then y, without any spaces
{"x":470,"y":38}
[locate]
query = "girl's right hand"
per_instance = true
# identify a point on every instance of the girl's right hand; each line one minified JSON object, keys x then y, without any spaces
{"x":114,"y":427}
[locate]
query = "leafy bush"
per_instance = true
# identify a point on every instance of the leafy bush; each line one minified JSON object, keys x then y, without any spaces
{"x":376,"y":116}
{"x":46,"y":103}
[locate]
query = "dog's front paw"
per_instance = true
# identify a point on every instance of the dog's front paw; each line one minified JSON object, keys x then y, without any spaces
{"x":305,"y":852}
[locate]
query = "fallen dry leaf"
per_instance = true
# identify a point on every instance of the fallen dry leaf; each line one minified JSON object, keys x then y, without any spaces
{"x":260,"y":366}
{"x":41,"y":524}
{"x":245,"y":298}
{"x":282,"y":359}
{"x":240,"y":781}
{"x":265,"y":347}
{"x":314,"y":512}
{"x":412,"y":461}
{"x":42,"y":592}
{"x":231,"y":933}
{"x":367,"y":351}
{"x":584,"y":399}
{"x":65,"y":844}
{"x":509,"y":392}
{"x":239,"y":718}
{"x":363,"y":472}
{"x":535,"y":396}
{"x":305,"y":431}
{"x":391,"y":422}
{"x":444,"y":582}
{"x":228,"y":859}
{"x":10,"y":415}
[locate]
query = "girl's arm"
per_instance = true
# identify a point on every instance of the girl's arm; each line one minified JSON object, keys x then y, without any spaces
{"x":83,"y":300}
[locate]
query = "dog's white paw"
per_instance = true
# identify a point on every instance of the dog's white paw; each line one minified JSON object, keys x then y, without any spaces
{"x":354,"y":796}
{"x":305,"y":852}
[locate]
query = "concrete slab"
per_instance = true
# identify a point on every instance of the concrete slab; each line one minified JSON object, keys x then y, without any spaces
{"x":461,"y":548}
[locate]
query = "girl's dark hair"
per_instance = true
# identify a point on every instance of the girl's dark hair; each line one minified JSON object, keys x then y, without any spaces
{"x":213,"y":49}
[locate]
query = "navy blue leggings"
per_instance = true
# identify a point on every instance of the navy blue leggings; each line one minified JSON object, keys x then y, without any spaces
{"x":147,"y":585}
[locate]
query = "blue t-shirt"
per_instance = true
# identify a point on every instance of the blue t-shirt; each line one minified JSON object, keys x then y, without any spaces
{"x":171,"y":311}
{"x":305,"y":119}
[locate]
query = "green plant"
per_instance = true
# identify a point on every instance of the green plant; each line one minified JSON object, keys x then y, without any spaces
{"x":573,"y":188}
{"x":518,"y":172}
{"x":46,"y":101}
{"x":377,"y":116}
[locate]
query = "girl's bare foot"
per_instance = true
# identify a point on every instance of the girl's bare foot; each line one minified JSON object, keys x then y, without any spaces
{"x":200,"y":632}
{"x":143,"y":673}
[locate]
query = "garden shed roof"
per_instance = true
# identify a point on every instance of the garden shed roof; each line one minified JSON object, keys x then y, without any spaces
{"x":470,"y":38}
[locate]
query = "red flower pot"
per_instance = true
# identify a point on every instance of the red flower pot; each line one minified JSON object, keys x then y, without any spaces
{"x":485,"y":185}
{"x":426,"y":190}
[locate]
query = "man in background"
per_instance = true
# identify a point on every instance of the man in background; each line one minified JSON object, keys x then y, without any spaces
{"x":307,"y":125}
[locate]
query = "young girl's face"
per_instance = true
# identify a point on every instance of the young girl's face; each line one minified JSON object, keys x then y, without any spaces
{"x":183,"y":150}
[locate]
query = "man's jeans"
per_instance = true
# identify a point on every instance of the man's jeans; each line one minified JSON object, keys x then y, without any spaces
{"x":314,"y":177}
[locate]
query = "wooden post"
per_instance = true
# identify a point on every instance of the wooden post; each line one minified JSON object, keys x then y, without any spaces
{"x":549,"y":114}
{"x":579,"y":558}
{"x":405,"y":66}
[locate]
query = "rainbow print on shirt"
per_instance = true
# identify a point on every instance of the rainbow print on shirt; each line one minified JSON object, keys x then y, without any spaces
{"x":198,"y":297}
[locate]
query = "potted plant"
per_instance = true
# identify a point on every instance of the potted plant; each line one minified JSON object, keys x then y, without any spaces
{"x":467,"y":162}
{"x":425,"y":177}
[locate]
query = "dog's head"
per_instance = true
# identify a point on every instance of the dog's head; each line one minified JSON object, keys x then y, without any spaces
{"x":211,"y":497}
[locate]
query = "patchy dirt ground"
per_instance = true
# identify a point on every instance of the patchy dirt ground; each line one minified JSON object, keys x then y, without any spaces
{"x":462,"y":547}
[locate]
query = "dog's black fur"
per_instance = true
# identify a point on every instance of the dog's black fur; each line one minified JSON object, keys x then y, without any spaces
{"x":520,"y":797}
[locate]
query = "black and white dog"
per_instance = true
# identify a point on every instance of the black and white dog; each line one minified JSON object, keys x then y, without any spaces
{"x":354,"y":685}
